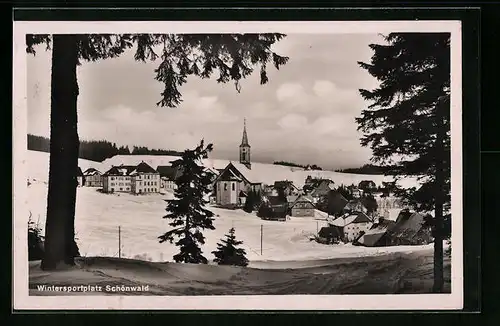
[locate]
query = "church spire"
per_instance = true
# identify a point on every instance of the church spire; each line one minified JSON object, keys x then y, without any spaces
{"x":244,"y":139}
{"x":245,"y":146}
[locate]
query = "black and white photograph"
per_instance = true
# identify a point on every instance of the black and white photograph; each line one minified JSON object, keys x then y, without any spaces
{"x":233,"y":165}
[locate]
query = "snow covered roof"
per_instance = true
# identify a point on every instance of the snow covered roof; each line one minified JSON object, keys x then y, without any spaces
{"x":127,"y":170}
{"x":358,"y":217}
{"x":303,"y":198}
{"x":339,"y":221}
{"x":91,"y":171}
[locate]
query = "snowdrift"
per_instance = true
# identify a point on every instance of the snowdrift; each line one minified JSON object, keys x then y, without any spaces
{"x":389,"y":274}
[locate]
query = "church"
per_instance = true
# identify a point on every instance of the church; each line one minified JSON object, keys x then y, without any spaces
{"x":235,"y":181}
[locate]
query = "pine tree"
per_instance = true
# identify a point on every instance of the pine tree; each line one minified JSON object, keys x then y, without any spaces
{"x":250,"y":202}
{"x":233,"y":56}
{"x":410,"y":118}
{"x":227,"y":252}
{"x":187,"y":212}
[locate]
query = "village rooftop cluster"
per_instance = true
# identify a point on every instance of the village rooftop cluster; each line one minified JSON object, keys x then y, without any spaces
{"x":362,"y":213}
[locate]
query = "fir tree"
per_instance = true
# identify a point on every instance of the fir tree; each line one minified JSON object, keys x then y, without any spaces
{"x":227,"y":252}
{"x":409,"y":118}
{"x":187,"y":212}
{"x":233,"y":56}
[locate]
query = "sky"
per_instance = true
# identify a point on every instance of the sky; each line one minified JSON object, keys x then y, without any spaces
{"x":304,"y":114}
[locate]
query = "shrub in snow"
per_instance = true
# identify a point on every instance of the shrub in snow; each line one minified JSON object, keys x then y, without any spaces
{"x":253,"y":199}
{"x":35,"y":241}
{"x":187,"y":211}
{"x":227,"y":252}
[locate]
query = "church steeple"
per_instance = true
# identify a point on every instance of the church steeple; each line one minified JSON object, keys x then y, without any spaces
{"x":245,"y":146}
{"x":244,"y":139}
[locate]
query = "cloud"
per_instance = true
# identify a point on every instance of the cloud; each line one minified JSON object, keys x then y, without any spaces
{"x":305,"y":113}
{"x":293,"y":122}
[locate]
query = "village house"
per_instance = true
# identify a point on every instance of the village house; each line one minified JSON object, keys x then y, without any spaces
{"x":303,"y":206}
{"x":168,"y":175}
{"x":352,"y":225}
{"x":355,"y":205}
{"x":233,"y":183}
{"x":374,"y":237}
{"x":273,"y":208}
{"x":138,"y":179}
{"x":79,"y":177}
{"x":287,"y":187}
{"x":408,"y":229}
{"x":330,"y":235}
{"x":93,"y":178}
{"x":320,"y":189}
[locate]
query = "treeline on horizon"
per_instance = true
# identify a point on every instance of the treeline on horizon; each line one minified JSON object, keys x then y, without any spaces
{"x":365,"y":169}
{"x":291,"y":164}
{"x":98,"y":150}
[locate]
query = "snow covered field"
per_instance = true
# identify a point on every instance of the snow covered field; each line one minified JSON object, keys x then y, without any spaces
{"x":99,"y":215}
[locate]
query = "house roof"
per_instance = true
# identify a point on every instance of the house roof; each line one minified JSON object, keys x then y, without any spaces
{"x":321,"y":187}
{"x":144,"y":167}
{"x":371,"y":239}
{"x":91,"y":171}
{"x":274,"y":200}
{"x":339,"y":221}
{"x":284,"y":184}
{"x":354,"y":204}
{"x":291,"y":199}
{"x":330,"y":232}
{"x":166,"y":171}
{"x":336,"y":202}
{"x":358,"y":217}
{"x":120,"y":170}
{"x":243,"y":194}
{"x":79,"y":172}
{"x":127,"y":170}
{"x":303,"y":198}
{"x":247,"y":174}
{"x":408,"y":223}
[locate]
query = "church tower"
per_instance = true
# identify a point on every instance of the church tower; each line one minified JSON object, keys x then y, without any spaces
{"x":245,"y":147}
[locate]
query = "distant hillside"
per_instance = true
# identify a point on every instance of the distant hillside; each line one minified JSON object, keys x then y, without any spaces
{"x":97,"y":150}
{"x":263,"y":172}
{"x":38,"y":165}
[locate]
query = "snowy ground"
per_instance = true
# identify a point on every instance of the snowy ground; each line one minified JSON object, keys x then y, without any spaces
{"x":399,"y":273}
{"x":99,"y":216}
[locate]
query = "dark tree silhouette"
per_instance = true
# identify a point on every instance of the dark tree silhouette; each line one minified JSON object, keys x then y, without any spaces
{"x":187,"y":212}
{"x":228,"y":253}
{"x":410,"y":118}
{"x":233,"y":56}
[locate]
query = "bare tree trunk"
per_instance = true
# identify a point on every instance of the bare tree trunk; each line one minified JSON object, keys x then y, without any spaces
{"x":439,"y":204}
{"x":60,"y":245}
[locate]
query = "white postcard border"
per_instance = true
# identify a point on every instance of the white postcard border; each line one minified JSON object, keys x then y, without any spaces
{"x":21,"y":299}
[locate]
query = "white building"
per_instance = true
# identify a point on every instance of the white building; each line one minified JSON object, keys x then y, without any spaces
{"x":353,"y":224}
{"x":139,"y":179}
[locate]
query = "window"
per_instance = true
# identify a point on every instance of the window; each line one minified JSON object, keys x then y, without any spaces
{"x":225,"y":186}
{"x":233,"y":186}
{"x":127,"y":188}
{"x":140,"y":190}
{"x":121,"y":189}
